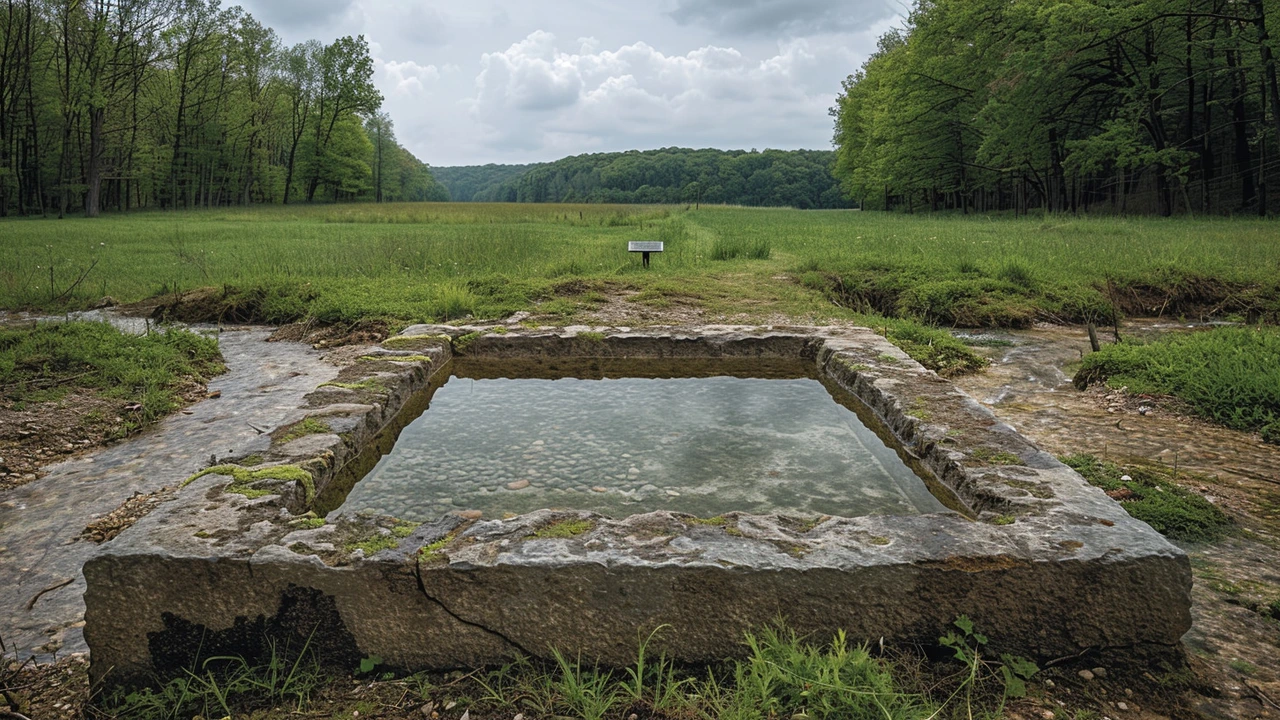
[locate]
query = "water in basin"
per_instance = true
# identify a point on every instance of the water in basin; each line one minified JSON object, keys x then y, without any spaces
{"x":628,"y":445}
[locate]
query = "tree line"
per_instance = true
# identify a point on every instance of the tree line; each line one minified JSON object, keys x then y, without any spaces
{"x":1153,"y":106}
{"x":794,"y":178}
{"x":123,"y":104}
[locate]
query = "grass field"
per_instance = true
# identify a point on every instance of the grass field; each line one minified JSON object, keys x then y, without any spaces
{"x":431,"y":262}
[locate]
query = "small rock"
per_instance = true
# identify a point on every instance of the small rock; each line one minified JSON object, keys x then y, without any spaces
{"x":1125,"y":478}
{"x":214,"y":394}
{"x":1047,"y":715}
{"x":1122,"y":707}
{"x":1049,"y":684}
{"x":518,"y":485}
{"x":673,"y":493}
{"x":1100,"y":672}
{"x":599,"y":489}
{"x":1085,"y":674}
{"x":469,"y":514}
{"x":1128,"y":692}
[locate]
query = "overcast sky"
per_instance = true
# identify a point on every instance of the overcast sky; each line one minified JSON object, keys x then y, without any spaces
{"x":479,"y":81}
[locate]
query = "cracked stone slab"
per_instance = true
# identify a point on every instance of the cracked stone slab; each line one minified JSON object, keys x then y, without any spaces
{"x":1045,"y":564}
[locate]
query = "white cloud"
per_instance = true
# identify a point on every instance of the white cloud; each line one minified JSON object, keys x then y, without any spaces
{"x":405,"y":78}
{"x":533,"y":95}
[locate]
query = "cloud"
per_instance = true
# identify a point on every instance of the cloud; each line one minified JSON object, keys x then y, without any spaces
{"x":792,"y":18}
{"x":533,"y":96}
{"x":405,"y":78}
{"x":301,"y":14}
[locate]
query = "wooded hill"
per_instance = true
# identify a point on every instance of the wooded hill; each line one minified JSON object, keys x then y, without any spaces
{"x":794,"y":178}
{"x":121,"y":104}
{"x":1160,"y":106}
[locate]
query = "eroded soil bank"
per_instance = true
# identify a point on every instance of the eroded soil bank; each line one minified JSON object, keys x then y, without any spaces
{"x":1234,"y":643}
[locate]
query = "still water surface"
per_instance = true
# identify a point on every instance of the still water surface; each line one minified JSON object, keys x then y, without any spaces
{"x":630,"y":445}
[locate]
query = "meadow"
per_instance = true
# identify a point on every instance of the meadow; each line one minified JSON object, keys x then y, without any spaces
{"x":449,"y":261}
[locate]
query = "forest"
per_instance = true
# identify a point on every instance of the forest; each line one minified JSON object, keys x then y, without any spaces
{"x":125,"y":104}
{"x":1137,"y":106}
{"x":778,"y":178}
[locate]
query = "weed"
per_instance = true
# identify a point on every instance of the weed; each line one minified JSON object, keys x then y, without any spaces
{"x":591,"y":336}
{"x":1004,"y":520}
{"x":460,"y":344}
{"x":243,"y":479}
{"x":1150,"y":495}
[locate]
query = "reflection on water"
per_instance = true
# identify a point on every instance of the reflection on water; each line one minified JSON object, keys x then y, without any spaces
{"x":631,"y":445}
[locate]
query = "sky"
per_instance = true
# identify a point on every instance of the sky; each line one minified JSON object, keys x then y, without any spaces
{"x":469,"y":82}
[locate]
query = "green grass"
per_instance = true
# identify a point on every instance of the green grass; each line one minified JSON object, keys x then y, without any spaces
{"x":1151,"y":495}
{"x":432,"y":262}
{"x":45,"y":362}
{"x":1230,"y":375}
{"x":781,"y":675}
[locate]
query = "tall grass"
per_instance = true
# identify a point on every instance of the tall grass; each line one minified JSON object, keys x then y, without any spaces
{"x":1230,"y":375}
{"x":45,"y":362}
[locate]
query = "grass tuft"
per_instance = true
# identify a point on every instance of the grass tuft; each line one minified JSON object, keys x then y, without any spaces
{"x":1150,"y":495}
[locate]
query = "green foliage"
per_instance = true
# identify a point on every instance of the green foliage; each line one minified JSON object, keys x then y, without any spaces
{"x":967,"y":648}
{"x":1229,"y":375}
{"x":795,"y":178}
{"x":44,"y":362}
{"x":1150,"y":495}
{"x":1020,"y":104}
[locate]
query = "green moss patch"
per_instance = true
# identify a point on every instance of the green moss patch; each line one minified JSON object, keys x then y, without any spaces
{"x":414,"y":342}
{"x":565,"y":529}
{"x":370,"y":385}
{"x":242,"y":479}
{"x":308,"y":426}
{"x":1150,"y":495}
{"x":397,"y":358}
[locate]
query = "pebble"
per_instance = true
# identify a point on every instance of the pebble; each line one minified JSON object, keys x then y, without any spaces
{"x":518,"y":485}
{"x":1049,"y":684}
{"x":599,"y":489}
{"x":1122,"y":707}
{"x":469,"y":514}
{"x":1100,"y":672}
{"x":1085,"y":674}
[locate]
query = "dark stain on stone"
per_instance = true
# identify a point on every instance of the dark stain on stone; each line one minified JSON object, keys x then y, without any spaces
{"x":307,"y":620}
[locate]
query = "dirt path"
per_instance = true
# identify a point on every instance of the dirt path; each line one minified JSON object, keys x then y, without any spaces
{"x":1234,"y":645}
{"x":41,"y":549}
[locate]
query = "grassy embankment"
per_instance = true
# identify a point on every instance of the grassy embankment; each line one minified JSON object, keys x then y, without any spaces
{"x":422,"y":262}
{"x":1228,"y":375}
{"x":46,"y":363}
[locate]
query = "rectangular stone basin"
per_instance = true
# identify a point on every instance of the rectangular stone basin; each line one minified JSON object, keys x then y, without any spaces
{"x":640,"y":437}
{"x":1046,"y":565}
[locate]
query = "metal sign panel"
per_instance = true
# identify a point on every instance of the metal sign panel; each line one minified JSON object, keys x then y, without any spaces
{"x":644,"y":246}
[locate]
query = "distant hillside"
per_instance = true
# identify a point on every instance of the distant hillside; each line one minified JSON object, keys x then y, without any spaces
{"x":467,"y":181}
{"x":796,"y":178}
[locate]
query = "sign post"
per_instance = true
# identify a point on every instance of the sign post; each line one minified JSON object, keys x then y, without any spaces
{"x":644,"y":247}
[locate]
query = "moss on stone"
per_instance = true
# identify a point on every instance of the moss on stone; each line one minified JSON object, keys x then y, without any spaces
{"x":460,"y":344}
{"x":718,"y":521}
{"x":309,"y":523}
{"x":251,"y":460}
{"x":414,"y":342}
{"x":374,"y":545}
{"x":987,"y":456}
{"x":1004,"y":520}
{"x":242,"y":479}
{"x":565,"y":529}
{"x":398,"y":358}
{"x":308,"y":426}
{"x":368,"y":385}
{"x":592,"y":336}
